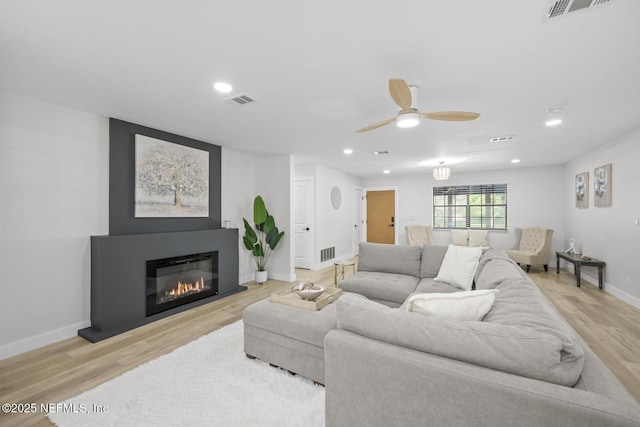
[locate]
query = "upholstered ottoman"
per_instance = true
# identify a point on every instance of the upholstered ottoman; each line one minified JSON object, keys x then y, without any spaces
{"x":289,"y":337}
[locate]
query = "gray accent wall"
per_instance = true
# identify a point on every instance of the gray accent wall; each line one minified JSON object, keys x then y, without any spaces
{"x":122,"y":182}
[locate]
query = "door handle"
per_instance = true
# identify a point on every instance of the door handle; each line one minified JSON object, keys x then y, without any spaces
{"x":307,"y":229}
{"x":392,"y":225}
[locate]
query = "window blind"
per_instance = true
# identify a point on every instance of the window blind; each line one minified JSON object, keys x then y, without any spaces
{"x":481,"y":207}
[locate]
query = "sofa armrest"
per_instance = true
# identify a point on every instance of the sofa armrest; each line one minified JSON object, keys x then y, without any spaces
{"x":379,"y":384}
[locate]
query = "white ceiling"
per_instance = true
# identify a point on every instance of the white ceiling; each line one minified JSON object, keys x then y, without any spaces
{"x":319,"y":70}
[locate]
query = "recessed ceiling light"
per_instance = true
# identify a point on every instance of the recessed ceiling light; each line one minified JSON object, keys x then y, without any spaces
{"x":515,"y":161}
{"x":553,"y":122}
{"x":222,"y":87}
{"x":379,"y":152}
{"x":386,"y":171}
{"x":348,"y":151}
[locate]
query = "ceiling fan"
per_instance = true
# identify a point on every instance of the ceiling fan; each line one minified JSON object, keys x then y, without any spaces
{"x":406,"y":97}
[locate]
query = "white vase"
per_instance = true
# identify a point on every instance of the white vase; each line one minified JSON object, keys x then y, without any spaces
{"x":261,"y":277}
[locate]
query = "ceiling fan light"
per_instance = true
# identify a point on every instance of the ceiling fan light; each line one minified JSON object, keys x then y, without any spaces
{"x":408,"y":120}
{"x":441,"y":173}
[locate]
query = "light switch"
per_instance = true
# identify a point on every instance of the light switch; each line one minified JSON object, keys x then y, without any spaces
{"x":637,"y":222}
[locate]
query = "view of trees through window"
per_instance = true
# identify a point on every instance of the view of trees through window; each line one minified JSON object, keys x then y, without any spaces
{"x":470,"y":206}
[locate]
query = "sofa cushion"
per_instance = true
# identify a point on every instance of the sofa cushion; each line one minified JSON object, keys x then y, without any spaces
{"x":478,"y":238}
{"x":459,"y":266}
{"x":381,"y":286}
{"x":432,"y":256}
{"x":464,"y":305}
{"x":519,"y":350}
{"x":460,"y":237}
{"x":500,"y":270}
{"x":430,"y":285}
{"x":390,"y":258}
{"x":486,"y":257}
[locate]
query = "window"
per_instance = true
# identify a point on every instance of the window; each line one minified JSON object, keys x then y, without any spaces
{"x":470,"y":206}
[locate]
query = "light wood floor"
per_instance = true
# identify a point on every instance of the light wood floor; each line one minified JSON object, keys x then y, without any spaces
{"x":65,"y":369}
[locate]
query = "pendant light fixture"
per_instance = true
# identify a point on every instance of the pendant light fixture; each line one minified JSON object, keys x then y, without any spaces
{"x":441,"y":172}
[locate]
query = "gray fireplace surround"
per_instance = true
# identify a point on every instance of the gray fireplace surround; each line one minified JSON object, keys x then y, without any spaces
{"x":118,"y":275}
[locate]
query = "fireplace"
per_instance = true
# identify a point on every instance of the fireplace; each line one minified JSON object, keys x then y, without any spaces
{"x":172,"y":282}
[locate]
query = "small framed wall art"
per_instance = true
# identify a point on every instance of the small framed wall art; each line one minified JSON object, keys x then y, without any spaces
{"x":582,"y":190}
{"x":602,"y":186}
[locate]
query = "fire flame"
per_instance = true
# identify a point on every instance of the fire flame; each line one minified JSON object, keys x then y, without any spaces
{"x":186,"y":288}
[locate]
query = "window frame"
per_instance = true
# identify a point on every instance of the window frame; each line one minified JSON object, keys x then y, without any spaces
{"x":456,"y":210}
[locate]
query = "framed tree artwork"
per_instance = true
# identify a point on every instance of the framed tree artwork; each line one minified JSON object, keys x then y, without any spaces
{"x":602,"y":186}
{"x":582,"y":190}
{"x":172,"y":180}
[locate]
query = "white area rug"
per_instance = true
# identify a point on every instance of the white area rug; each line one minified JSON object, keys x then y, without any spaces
{"x":208,"y":382}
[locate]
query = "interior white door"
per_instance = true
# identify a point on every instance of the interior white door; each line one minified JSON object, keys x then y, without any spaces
{"x":357,"y":218}
{"x":303,"y":222}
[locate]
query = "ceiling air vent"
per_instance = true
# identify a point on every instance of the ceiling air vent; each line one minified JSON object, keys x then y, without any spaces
{"x":562,"y":7}
{"x":238,"y":100}
{"x":505,"y":138}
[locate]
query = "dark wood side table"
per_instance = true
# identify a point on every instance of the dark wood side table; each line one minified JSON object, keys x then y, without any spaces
{"x":578,"y":262}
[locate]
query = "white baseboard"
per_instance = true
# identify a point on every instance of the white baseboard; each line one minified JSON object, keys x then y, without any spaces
{"x":275,"y":276}
{"x":629,"y":299}
{"x":607,"y":287}
{"x":37,"y":341}
{"x":283,"y":277}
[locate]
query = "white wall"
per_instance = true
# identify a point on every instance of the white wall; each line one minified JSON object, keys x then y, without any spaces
{"x":238,"y":192}
{"x":610,"y":233}
{"x":274,"y":181}
{"x":244,"y":176}
{"x":333,"y":227}
{"x":534,"y":199}
{"x":54,"y":194}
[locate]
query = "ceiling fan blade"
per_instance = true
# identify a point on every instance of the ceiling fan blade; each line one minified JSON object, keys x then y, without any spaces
{"x":400,"y":93}
{"x":454,"y":116}
{"x":376,"y":125}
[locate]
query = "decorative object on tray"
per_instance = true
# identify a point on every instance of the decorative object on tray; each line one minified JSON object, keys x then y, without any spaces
{"x":291,"y":297}
{"x":309,"y":291}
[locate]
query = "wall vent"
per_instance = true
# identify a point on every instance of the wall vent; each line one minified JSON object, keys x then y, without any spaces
{"x":239,"y":100}
{"x":327,"y":254}
{"x":562,"y":7}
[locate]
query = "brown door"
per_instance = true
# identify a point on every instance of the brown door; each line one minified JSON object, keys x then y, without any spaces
{"x":381,"y":215}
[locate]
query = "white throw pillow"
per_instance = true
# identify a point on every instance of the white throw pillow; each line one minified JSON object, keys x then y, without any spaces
{"x":465,"y":305}
{"x":460,"y":237}
{"x":478,"y":238}
{"x":459,"y":266}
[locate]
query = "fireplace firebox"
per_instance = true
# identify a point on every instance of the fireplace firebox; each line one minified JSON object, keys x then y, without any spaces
{"x":172,"y":282}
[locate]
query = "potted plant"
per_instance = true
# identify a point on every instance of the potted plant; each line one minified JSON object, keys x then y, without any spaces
{"x":262,"y":239}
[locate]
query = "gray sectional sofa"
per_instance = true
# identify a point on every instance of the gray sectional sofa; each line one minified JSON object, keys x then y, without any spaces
{"x":389,"y":274}
{"x":521,"y":365}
